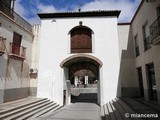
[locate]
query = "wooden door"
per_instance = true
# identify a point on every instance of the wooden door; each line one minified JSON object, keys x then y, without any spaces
{"x":16,"y":44}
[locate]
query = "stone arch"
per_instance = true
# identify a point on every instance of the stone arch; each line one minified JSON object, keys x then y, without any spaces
{"x":81,"y":57}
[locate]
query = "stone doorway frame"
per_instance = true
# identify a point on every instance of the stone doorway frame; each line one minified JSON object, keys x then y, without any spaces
{"x":79,"y":58}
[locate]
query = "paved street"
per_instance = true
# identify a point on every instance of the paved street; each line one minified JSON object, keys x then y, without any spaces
{"x":76,"y":111}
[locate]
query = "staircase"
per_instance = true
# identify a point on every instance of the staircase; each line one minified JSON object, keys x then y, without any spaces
{"x":116,"y":110}
{"x":129,"y":109}
{"x":27,"y":109}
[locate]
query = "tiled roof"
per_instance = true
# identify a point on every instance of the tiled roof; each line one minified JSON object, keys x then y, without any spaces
{"x":80,"y":14}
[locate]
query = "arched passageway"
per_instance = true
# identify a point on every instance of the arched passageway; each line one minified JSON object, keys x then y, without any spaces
{"x":82,"y":71}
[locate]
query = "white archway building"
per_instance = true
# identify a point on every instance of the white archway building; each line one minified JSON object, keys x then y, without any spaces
{"x":55,"y":52}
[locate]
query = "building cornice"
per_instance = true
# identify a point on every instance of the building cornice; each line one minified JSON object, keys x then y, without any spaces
{"x":80,"y":14}
{"x":124,"y":23}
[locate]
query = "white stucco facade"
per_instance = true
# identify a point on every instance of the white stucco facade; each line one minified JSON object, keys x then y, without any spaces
{"x":55,"y":47}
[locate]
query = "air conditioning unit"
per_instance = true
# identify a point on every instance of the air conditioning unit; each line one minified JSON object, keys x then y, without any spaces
{"x":33,"y":70}
{"x":150,"y":0}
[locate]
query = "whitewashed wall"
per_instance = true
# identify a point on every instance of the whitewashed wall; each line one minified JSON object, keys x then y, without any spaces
{"x":55,"y":46}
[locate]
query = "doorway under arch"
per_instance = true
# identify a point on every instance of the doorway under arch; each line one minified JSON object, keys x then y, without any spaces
{"x":83,"y":78}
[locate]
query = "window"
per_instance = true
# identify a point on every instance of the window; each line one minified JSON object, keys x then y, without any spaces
{"x":140,"y":78}
{"x":136,"y":46}
{"x":17,"y":51}
{"x":151,"y":81}
{"x":147,"y":42}
{"x":81,"y":40}
{"x":16,"y":45}
{"x":158,"y":11}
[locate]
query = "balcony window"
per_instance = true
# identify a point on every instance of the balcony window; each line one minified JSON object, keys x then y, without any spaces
{"x":16,"y":50}
{"x":16,"y":43}
{"x":146,"y":37}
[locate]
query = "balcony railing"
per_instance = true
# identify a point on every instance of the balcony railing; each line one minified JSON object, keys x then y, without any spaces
{"x":14,"y":16}
{"x":155,"y":31}
{"x":17,"y":52}
{"x":2,"y":45}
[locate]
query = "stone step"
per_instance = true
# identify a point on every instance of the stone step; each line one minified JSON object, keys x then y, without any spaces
{"x":119,"y":111}
{"x":111,"y":111}
{"x":116,"y":110}
{"x":10,"y":106}
{"x":35,"y":112}
{"x":20,"y":107}
{"x":57,"y":108}
{"x":26,"y":110}
{"x":106,"y":112}
{"x":125,"y":106}
{"x":47,"y":110}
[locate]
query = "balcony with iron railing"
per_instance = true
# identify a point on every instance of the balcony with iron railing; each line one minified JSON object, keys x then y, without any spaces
{"x":15,"y":17}
{"x":155,"y":32}
{"x":2,"y":45}
{"x":16,"y":52}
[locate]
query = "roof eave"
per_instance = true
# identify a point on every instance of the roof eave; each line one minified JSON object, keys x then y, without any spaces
{"x":80,"y":14}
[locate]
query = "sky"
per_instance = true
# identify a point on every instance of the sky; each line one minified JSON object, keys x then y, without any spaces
{"x":28,"y":9}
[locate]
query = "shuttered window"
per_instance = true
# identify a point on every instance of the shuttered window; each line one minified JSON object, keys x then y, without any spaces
{"x":81,"y":40}
{"x":16,"y":43}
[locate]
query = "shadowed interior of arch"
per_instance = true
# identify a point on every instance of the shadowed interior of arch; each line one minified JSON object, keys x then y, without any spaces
{"x":83,"y":74}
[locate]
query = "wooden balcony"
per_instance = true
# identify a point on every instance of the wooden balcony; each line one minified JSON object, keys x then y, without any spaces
{"x":155,"y":32}
{"x":2,"y":46}
{"x":17,"y":53}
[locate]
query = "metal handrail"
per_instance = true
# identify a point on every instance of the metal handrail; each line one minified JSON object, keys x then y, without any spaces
{"x":14,"y":16}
